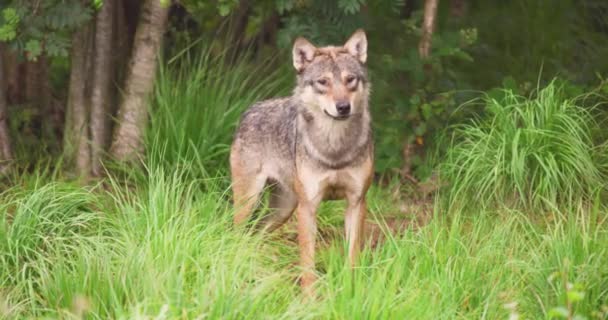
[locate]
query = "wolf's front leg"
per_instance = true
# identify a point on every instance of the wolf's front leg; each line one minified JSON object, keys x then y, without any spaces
{"x":354,"y":223}
{"x":309,"y":194}
{"x":307,"y":233}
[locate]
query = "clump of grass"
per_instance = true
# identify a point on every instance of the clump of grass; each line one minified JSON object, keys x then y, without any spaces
{"x":198,"y":100}
{"x":40,"y":224}
{"x":527,"y":153}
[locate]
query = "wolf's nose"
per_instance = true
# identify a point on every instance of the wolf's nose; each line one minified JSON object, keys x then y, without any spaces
{"x":343,"y":108}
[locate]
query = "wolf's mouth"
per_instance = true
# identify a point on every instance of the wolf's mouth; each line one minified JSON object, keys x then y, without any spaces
{"x":339,"y":118}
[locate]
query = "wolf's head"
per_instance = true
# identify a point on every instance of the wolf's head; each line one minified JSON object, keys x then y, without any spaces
{"x":333,"y":80}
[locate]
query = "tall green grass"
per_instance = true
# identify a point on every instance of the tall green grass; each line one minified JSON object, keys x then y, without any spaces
{"x":527,"y":153}
{"x":198,"y":99}
{"x":165,"y":249}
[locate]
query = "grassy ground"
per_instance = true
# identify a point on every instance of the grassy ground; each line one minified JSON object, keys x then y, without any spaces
{"x":165,"y":248}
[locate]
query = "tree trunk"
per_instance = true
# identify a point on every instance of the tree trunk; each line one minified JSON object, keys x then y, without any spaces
{"x":457,"y":8}
{"x":127,"y":144}
{"x":101,"y":87}
{"x":125,"y":24}
{"x":6,"y":153}
{"x":428,"y":27}
{"x":424,"y":50}
{"x":238,"y":25}
{"x":33,"y":84}
{"x":76,"y":135}
{"x":13,"y":76}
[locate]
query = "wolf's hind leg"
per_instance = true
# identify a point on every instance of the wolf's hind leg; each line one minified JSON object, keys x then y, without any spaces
{"x":282,"y":203}
{"x":246,"y":190}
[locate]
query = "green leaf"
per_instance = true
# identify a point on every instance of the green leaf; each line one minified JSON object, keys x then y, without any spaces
{"x":8,"y":31}
{"x":350,"y":6}
{"x":420,"y":129}
{"x":509,"y":83}
{"x":224,"y":9}
{"x":427,"y":111}
{"x":415,"y":100}
{"x":284,"y":5}
{"x":33,"y":48}
{"x":10,"y":16}
{"x":558,"y":312}
{"x":575,"y":296}
{"x":97,"y":4}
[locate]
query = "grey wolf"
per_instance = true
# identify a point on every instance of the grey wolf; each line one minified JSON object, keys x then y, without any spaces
{"x":314,"y":145}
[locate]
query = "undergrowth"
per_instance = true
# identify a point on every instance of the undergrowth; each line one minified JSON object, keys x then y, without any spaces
{"x":528,"y":153}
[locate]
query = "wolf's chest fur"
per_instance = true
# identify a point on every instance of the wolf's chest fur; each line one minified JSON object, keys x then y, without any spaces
{"x":334,"y":144}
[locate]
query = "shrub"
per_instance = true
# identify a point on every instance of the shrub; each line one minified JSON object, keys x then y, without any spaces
{"x":528,"y":152}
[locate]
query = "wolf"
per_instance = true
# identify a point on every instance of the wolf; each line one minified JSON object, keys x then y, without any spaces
{"x":311,"y":146}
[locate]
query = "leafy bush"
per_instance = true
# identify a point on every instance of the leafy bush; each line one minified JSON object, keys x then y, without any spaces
{"x":528,"y":152}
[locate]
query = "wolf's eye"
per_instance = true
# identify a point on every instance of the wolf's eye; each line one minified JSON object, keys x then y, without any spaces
{"x":322,"y":82}
{"x":350,"y":80}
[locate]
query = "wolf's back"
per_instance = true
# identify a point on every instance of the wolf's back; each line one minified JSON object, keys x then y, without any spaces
{"x":267,"y":128}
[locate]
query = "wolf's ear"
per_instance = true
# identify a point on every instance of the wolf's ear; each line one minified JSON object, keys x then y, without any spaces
{"x":357,"y":45}
{"x":303,"y":53}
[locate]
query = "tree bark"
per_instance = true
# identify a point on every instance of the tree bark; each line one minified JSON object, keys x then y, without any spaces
{"x":428,"y":27}
{"x":238,"y":20}
{"x":33,"y":84}
{"x":6,"y":153}
{"x":127,"y":143}
{"x":14,"y":72}
{"x":457,"y":8}
{"x":76,"y":135}
{"x":101,"y":86}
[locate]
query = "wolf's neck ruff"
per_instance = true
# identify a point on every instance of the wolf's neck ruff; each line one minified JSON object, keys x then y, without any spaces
{"x":332,"y":143}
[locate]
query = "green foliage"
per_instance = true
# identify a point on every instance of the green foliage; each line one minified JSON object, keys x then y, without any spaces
{"x":528,"y":152}
{"x":415,"y":98}
{"x":225,"y":6}
{"x":322,"y":22}
{"x":284,"y":6}
{"x":564,"y":38}
{"x":42,"y":27}
{"x":574,"y":293}
{"x":350,"y":6}
{"x":8,"y":24}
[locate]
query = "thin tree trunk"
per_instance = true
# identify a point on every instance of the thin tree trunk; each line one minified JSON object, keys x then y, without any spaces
{"x":424,"y":50}
{"x":13,"y":77}
{"x":239,"y":20}
{"x":76,"y":135}
{"x":49,"y":122}
{"x":123,"y":38}
{"x":428,"y":27}
{"x":6,"y":153}
{"x":101,"y":87}
{"x":457,"y":8}
{"x":32,"y":82}
{"x":127,"y":144}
